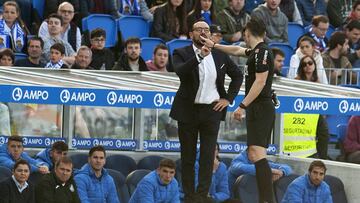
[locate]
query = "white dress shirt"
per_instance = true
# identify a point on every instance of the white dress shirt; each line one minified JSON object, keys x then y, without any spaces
{"x":207,"y":92}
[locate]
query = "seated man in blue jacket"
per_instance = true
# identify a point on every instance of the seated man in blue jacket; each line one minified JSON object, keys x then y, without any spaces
{"x":241,"y":165}
{"x":94,"y":183}
{"x":50,"y":156}
{"x":158,"y":186}
{"x":309,"y":188}
{"x":14,"y":151}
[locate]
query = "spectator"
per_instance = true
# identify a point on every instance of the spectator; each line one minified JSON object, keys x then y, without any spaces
{"x":335,"y":59}
{"x":70,"y":33}
{"x":275,"y":21}
{"x":338,"y":11}
{"x":232,"y":20}
{"x":220,"y":5}
{"x":55,"y":29}
{"x":58,"y":186}
{"x":216,"y":33}
{"x":102,"y":58}
{"x":83,"y":58}
{"x":160,"y":59}
{"x":7,"y":57}
{"x":93,"y":181}
{"x":242,"y":165}
{"x":307,"y":70}
{"x":158,"y":186}
{"x":134,"y":7}
{"x":88,"y":7}
{"x":52,"y":6}
{"x":219,"y":189}
{"x":279,"y":57}
{"x":203,"y":9}
{"x":57,"y":52}
{"x":16,"y":188}
{"x":355,"y":12}
{"x":35,"y":48}
{"x":131,"y":60}
{"x":290,"y":9}
{"x":309,"y":9}
{"x":50,"y":156}
{"x":317,"y":31}
{"x":352,"y":32}
{"x":306,"y":47}
{"x":14,"y":151}
{"x":310,"y":187}
{"x":170,"y":21}
{"x":12,"y":25}
{"x":251,"y":5}
{"x":352,"y":140}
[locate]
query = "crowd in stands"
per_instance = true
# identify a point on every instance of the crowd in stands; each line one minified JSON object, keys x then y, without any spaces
{"x":91,"y":183}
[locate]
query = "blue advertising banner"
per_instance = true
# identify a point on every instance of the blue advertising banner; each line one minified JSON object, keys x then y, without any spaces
{"x":163,"y":100}
{"x":87,"y":143}
{"x":30,"y":141}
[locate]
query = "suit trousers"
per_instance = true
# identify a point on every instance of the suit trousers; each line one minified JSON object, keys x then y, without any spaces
{"x":205,"y":123}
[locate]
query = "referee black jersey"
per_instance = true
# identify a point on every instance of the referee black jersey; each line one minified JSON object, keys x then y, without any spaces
{"x":260,"y":60}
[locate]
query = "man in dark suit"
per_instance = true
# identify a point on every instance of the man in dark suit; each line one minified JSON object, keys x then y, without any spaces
{"x":199,"y":106}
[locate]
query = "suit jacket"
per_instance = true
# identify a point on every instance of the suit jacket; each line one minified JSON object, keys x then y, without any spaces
{"x":186,"y":67}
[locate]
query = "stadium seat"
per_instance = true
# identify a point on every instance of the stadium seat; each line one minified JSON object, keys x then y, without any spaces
{"x":286,"y":48}
{"x":226,"y":160}
{"x":148,"y":45}
{"x":4,"y":173}
{"x":333,"y":121}
{"x":121,"y":188}
{"x":106,"y":22}
{"x":245,"y":189}
{"x":20,"y":56}
{"x":39,"y":7}
{"x":122,"y":163}
{"x":134,"y":178}
{"x":341,"y":133}
{"x":337,"y":189}
{"x":78,"y":160}
{"x":149,"y":162}
{"x":280,"y":186}
{"x":177,"y":43}
{"x":295,"y":31}
{"x":133,"y":26}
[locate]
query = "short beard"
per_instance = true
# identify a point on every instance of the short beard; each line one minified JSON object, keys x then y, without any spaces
{"x":133,"y":60}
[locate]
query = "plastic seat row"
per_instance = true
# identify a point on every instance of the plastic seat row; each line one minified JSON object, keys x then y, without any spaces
{"x":245,"y":188}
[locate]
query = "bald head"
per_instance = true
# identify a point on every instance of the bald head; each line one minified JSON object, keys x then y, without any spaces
{"x":66,"y":11}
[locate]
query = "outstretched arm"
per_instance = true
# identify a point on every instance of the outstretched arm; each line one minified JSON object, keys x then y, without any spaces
{"x":229,"y":49}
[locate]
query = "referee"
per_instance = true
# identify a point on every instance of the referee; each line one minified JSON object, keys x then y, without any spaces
{"x":260,"y":111}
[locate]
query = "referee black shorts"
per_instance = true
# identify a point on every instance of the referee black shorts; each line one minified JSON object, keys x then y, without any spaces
{"x":260,"y":118}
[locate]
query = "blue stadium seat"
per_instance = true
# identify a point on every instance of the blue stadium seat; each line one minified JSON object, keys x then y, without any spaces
{"x":39,"y":6}
{"x":4,"y":173}
{"x":341,"y":131}
{"x":245,"y":189}
{"x":149,"y":162}
{"x":281,"y":185}
{"x":121,"y":188}
{"x":295,"y":31}
{"x":133,"y":26}
{"x":20,"y":56}
{"x":177,"y":43}
{"x":148,"y":45}
{"x":333,"y":121}
{"x":337,"y":189}
{"x":78,"y":160}
{"x":134,"y":178}
{"x":285,"y":70}
{"x":286,"y":48}
{"x":106,"y":22}
{"x":122,"y":163}
{"x":330,"y":31}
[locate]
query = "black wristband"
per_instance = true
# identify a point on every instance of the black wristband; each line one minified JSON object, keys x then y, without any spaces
{"x":213,"y":45}
{"x":242,"y":106}
{"x":247,"y":52}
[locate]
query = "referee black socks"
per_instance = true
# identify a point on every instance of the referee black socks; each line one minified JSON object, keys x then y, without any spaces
{"x":264,"y":181}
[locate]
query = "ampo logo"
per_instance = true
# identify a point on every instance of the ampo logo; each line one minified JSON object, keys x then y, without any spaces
{"x":65,"y":96}
{"x":237,"y":147}
{"x":111,"y":98}
{"x":145,"y":144}
{"x":25,"y":141}
{"x":167,"y":145}
{"x":158,"y":100}
{"x":2,"y":140}
{"x":118,"y":143}
{"x":47,"y":142}
{"x":95,"y":142}
{"x":298,"y":105}
{"x":17,"y":94}
{"x":73,"y":142}
{"x":343,"y":106}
